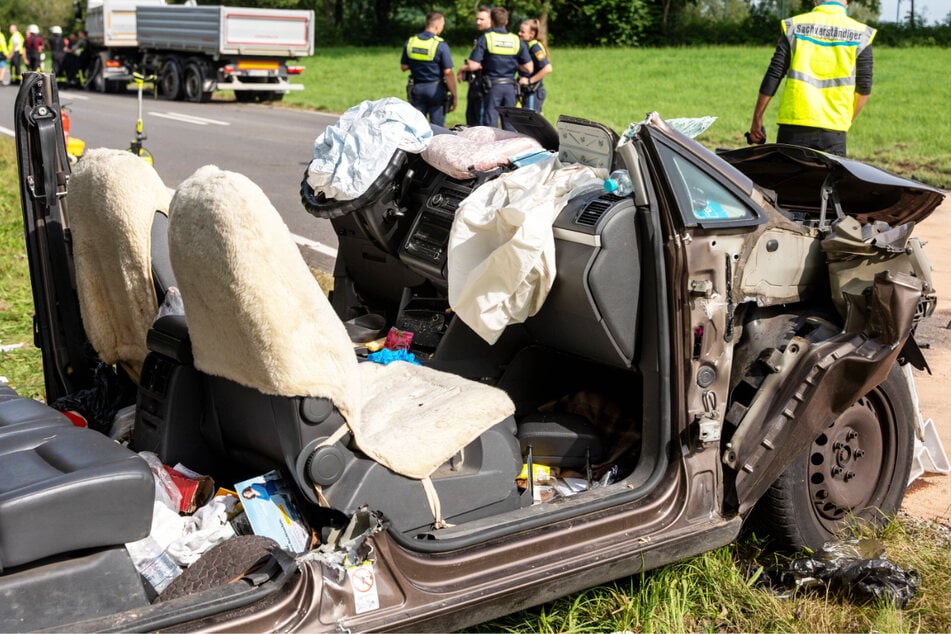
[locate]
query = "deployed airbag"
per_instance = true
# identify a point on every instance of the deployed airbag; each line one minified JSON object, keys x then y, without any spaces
{"x":501,"y":259}
{"x":350,"y":155}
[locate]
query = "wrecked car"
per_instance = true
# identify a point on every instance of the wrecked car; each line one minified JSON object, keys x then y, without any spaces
{"x":612,"y":389}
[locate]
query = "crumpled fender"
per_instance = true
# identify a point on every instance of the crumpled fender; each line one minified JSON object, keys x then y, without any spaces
{"x":815,"y":382}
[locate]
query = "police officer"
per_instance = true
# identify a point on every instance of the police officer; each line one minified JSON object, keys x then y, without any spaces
{"x":427,"y":58}
{"x":499,"y":54}
{"x":826,"y":58}
{"x":532,"y":89}
{"x":475,"y":93}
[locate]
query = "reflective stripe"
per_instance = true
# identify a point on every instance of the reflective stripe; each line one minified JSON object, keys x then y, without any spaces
{"x":822,"y":83}
{"x":420,"y":50}
{"x":502,"y":43}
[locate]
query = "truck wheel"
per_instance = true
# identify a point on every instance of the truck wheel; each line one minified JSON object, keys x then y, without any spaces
{"x":272,"y":95}
{"x":94,"y":80}
{"x":245,"y":96}
{"x":170,"y":80}
{"x":855,"y":471}
{"x":195,"y":84}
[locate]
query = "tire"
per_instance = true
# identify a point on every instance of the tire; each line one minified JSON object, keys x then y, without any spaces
{"x":272,"y":95}
{"x":194,"y":84}
{"x":170,"y":80}
{"x":853,"y":473}
{"x":95,"y":81}
{"x":245,"y":96}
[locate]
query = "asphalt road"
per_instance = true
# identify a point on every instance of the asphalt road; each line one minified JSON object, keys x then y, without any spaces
{"x":269,"y":144}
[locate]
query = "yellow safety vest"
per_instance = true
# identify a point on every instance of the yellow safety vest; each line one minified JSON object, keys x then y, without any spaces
{"x":502,"y":43}
{"x":820,"y":84}
{"x":3,"y":46}
{"x":420,"y":50}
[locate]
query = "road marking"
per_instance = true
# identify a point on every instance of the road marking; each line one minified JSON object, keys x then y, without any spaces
{"x":177,"y":116}
{"x":7,"y":131}
{"x":314,"y":245}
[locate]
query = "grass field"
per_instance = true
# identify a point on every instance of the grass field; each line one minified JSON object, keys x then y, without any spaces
{"x":904,"y":127}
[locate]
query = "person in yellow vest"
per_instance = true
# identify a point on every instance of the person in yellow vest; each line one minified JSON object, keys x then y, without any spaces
{"x":499,"y":55}
{"x":532,"y":89}
{"x":15,"y":52}
{"x":826,"y":58}
{"x":4,"y":74}
{"x":432,"y":84}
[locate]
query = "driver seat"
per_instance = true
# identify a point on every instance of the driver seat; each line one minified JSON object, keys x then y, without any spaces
{"x":284,"y":388}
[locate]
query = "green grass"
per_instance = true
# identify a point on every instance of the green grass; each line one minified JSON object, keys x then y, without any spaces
{"x":903,"y":128}
{"x":22,"y":366}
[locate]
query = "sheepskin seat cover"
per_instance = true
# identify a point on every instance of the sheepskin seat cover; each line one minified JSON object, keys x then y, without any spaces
{"x":255,"y":313}
{"x":113,"y":197}
{"x":257,"y":316}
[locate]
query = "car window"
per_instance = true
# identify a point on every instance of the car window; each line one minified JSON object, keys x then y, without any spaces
{"x":700,"y":197}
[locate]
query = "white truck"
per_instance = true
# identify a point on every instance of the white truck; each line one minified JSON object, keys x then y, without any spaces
{"x":192,"y":51}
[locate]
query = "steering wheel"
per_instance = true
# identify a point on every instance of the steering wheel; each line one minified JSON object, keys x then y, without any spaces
{"x":319,"y":205}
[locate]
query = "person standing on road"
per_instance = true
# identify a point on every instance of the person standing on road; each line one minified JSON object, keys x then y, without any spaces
{"x":34,"y":48}
{"x":57,"y":45}
{"x":499,"y":55}
{"x":826,"y":58}
{"x":475,"y":93}
{"x":532,"y":89}
{"x":4,"y":53}
{"x":432,"y":84}
{"x":15,"y":52}
{"x":77,"y":59}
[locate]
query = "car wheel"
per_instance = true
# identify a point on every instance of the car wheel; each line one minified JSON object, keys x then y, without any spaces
{"x":170,"y":80}
{"x":854,"y":472}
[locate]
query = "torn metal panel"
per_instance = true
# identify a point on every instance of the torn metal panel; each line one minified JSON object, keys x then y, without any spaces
{"x":814,"y":383}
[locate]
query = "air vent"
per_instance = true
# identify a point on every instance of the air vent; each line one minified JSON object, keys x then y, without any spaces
{"x":593,"y":212}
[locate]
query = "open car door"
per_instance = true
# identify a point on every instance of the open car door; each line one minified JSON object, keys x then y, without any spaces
{"x":44,"y":171}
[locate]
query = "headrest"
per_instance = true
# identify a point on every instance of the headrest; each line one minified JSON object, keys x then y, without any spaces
{"x":255,"y":312}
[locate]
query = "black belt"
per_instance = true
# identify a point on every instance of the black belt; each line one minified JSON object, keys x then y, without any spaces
{"x":505,"y":81}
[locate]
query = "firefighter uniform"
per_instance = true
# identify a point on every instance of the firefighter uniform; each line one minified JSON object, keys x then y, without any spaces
{"x":539,"y":57}
{"x":428,"y":57}
{"x":500,"y":53}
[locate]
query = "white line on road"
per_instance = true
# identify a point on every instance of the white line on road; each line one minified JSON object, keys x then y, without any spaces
{"x":7,"y":131}
{"x":314,"y":245}
{"x":177,"y":116}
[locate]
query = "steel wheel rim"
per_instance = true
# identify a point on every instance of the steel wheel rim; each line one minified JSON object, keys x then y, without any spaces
{"x":851,"y":464}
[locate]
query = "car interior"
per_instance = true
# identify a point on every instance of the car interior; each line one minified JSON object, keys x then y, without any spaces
{"x":259,"y":373}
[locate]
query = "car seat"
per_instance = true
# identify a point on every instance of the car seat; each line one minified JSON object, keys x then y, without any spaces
{"x":284,"y":388}
{"x":118,"y":209}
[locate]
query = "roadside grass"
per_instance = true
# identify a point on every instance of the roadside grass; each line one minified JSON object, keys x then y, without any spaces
{"x":22,"y":366}
{"x":903,"y":127}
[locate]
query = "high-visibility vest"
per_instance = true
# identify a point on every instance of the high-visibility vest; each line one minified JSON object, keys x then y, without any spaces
{"x":502,"y":43}
{"x":420,"y":50}
{"x":3,"y":46}
{"x":16,"y":44}
{"x":820,"y":84}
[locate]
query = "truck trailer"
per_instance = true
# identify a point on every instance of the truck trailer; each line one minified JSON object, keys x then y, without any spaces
{"x":193,"y":51}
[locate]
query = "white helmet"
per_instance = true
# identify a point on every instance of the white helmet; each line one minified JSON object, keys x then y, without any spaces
{"x":56,"y":30}
{"x":33,"y":29}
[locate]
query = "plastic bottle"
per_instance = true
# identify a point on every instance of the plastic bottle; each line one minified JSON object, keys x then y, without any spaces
{"x":619,"y":183}
{"x":153,"y":563}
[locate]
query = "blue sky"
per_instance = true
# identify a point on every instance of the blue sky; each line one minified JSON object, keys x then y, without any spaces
{"x":933,"y":10}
